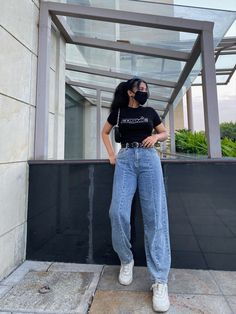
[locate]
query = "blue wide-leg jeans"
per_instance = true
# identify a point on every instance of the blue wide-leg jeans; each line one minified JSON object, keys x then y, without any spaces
{"x":141,"y":167}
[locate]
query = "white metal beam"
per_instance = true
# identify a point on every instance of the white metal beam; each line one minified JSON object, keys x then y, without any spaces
{"x":42,"y":93}
{"x":130,"y":18}
{"x":112,"y":74}
{"x":63,"y":27}
{"x":130,"y":48}
{"x":90,"y":86}
{"x":111,"y":90}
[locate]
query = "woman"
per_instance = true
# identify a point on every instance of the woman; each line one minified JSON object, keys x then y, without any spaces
{"x":138,"y":165}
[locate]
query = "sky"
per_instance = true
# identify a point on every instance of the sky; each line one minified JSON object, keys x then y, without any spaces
{"x":226,"y":93}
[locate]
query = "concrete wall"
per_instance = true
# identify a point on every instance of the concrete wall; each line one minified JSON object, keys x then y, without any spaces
{"x":18,"y":64}
{"x":178,"y":117}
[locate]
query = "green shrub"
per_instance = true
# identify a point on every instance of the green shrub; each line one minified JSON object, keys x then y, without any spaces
{"x":228,"y":129}
{"x":188,"y":142}
{"x":228,"y":147}
{"x":195,"y":143}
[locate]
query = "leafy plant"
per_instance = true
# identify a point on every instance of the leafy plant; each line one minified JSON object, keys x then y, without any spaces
{"x":196,"y":143}
{"x":228,"y":147}
{"x":188,"y":142}
{"x":228,"y":129}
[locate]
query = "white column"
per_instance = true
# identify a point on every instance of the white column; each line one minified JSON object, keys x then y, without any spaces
{"x":163,"y":144}
{"x":189,"y":108}
{"x":211,"y":113}
{"x":172,"y":129}
{"x":98,"y":123}
{"x":42,"y":96}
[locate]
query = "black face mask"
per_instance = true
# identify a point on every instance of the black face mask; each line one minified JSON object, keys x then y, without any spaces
{"x":141,"y":97}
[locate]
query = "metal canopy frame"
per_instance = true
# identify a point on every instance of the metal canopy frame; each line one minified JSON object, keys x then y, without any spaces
{"x":226,"y":47}
{"x":107,"y":89}
{"x":51,"y":11}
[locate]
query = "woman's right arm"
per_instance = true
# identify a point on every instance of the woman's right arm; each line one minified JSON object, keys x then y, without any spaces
{"x":107,"y":142}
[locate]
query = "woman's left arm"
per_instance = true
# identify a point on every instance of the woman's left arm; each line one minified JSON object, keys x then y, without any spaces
{"x":160,"y":136}
{"x":162,"y":133}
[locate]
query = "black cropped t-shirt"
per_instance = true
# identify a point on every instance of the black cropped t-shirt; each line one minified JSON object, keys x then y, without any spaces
{"x":135,"y":124}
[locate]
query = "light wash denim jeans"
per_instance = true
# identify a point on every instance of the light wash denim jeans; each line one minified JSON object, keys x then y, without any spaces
{"x":141,"y":167}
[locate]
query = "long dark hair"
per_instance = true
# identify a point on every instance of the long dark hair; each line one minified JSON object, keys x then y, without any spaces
{"x":121,"y":97}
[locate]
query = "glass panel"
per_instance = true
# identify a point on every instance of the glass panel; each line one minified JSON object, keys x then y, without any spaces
{"x":87,"y":91}
{"x":196,"y":69}
{"x":136,"y":35}
{"x":157,"y":104}
{"x":156,"y":68}
{"x":107,"y":94}
{"x":222,"y":19}
{"x":226,"y":62}
{"x":92,"y":100}
{"x":221,"y":78}
{"x":138,"y":65}
{"x":76,"y":108}
{"x":106,"y":104}
{"x":156,"y":91}
{"x":101,"y":81}
{"x":198,"y":80}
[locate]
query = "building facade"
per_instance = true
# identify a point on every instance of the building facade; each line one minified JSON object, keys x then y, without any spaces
{"x":18,"y":64}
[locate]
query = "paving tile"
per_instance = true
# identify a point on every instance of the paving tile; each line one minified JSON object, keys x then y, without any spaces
{"x":180,"y":281}
{"x":232,"y":302}
{"x":73,"y":267}
{"x":22,"y":313}
{"x":192,"y":281}
{"x":41,"y":312}
{"x":127,"y":302}
{"x":122,"y":302}
{"x":198,"y":304}
{"x":34,"y":265}
{"x":70,"y":292}
{"x":23,"y":269}
{"x":109,"y":279}
{"x":3,"y":290}
{"x":226,"y":280}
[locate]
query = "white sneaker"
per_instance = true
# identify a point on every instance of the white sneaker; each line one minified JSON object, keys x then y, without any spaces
{"x":160,"y":298}
{"x":126,"y":273}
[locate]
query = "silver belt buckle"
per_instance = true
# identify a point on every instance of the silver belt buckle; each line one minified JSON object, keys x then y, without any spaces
{"x":135,"y":144}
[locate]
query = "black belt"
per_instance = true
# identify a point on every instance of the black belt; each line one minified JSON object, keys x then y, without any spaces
{"x":132,"y":145}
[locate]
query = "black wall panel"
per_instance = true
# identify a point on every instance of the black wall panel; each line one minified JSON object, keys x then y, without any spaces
{"x":69,"y":203}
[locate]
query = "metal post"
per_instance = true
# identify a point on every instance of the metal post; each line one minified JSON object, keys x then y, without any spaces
{"x":133,"y":64}
{"x":98,"y":123}
{"x":189,"y":108}
{"x":56,"y":93}
{"x":163,"y":144}
{"x":211,"y":114}
{"x":172,"y":129}
{"x":42,"y":96}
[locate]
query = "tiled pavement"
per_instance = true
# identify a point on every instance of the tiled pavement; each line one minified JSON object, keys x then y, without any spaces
{"x":80,"y":288}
